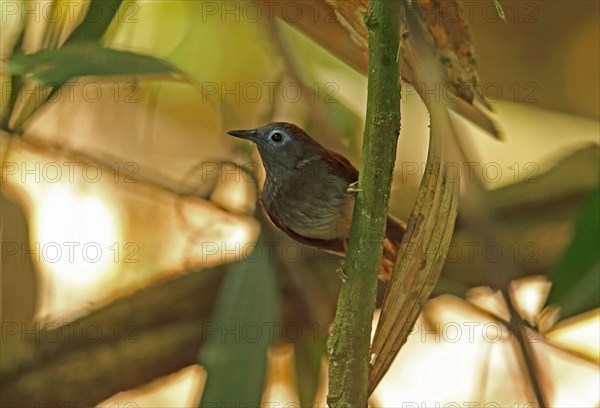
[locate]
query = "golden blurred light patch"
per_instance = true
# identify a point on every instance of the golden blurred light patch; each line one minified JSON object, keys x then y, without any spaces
{"x":457,"y":354}
{"x":580,"y":335}
{"x":76,"y":235}
{"x":176,"y":390}
{"x":530,"y":295}
{"x":582,"y":64}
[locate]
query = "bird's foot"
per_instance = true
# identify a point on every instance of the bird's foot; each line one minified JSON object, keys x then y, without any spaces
{"x":353,"y":188}
{"x":341,"y":272}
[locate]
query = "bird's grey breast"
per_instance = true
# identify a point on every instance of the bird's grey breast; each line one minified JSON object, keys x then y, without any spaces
{"x":309,"y":200}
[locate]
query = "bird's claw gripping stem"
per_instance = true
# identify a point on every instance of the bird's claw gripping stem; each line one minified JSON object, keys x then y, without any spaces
{"x":353,"y":188}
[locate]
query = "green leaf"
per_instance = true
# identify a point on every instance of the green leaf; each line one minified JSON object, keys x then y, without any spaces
{"x":14,"y":90}
{"x":308,"y":354}
{"x":239,"y":335}
{"x":95,"y":23}
{"x":576,"y":277}
{"x":57,"y":66}
{"x":424,"y":249}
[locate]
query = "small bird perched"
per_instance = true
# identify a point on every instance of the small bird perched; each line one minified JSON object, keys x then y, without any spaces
{"x":309,"y":191}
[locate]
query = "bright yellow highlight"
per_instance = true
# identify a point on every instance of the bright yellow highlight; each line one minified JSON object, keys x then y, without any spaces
{"x":77,"y":237}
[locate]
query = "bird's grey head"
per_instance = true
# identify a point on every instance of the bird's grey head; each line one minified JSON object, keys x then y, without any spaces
{"x":280,"y":143}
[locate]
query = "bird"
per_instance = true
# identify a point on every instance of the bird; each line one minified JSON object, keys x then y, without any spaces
{"x":309,"y":191}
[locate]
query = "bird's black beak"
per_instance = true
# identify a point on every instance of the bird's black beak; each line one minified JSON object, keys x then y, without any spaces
{"x":250,"y":134}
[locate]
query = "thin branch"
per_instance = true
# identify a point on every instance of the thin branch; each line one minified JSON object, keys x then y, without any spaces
{"x":534,"y":371}
{"x":534,"y":335}
{"x":348,"y":346}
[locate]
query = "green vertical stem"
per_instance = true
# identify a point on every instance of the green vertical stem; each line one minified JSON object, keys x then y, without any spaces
{"x":349,"y":344}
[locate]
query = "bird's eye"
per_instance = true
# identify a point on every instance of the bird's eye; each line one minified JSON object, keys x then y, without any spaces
{"x":276,"y":137}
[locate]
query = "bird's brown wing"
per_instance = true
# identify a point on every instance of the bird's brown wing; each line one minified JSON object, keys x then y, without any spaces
{"x":394,"y":228}
{"x":338,"y":164}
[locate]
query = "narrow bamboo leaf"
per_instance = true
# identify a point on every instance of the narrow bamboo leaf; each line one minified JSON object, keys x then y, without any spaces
{"x":423,"y":250}
{"x":239,"y":335}
{"x":428,"y":233}
{"x":15,"y":87}
{"x":32,"y":103}
{"x":576,"y":278}
{"x":96,"y":21}
{"x":57,"y":66}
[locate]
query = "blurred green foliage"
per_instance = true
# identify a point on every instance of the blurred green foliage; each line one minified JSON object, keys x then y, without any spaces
{"x":245,"y":321}
{"x":576,"y":276}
